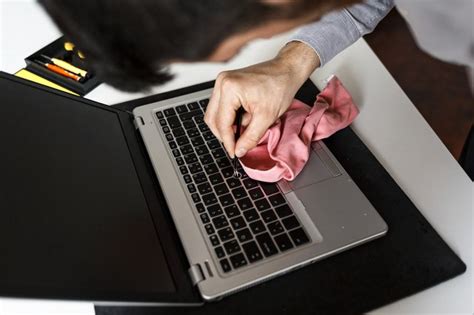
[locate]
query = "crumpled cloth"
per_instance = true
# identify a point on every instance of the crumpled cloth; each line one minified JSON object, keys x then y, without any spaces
{"x":284,"y":150}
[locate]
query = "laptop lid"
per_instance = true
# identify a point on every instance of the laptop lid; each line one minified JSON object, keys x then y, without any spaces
{"x":81,"y":217}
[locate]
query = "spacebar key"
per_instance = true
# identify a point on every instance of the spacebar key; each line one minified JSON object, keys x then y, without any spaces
{"x":266,"y":244}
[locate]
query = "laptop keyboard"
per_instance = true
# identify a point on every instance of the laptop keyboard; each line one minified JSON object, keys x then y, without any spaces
{"x":245,"y":221}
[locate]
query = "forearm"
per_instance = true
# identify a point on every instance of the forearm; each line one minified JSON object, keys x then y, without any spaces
{"x":338,"y":30}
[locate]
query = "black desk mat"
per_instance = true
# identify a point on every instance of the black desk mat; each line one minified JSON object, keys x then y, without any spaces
{"x":410,"y":258}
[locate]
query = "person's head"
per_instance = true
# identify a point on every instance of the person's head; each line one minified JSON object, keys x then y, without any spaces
{"x":129,"y":43}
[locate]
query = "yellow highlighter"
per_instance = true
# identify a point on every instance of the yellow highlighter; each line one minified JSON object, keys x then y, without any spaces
{"x":67,"y":66}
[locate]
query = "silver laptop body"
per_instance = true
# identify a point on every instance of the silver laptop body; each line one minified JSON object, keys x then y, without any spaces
{"x":325,"y":203}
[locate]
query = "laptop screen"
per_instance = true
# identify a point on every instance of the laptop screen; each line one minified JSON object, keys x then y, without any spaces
{"x":73,"y":217}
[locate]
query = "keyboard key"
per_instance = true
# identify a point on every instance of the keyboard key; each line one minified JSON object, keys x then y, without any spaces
{"x":196,"y":197}
{"x":189,"y":115}
{"x":244,"y":235}
{"x":174,"y":122}
{"x":269,"y":189}
{"x":283,"y":211}
{"x":283,"y":242}
{"x":195,"y":168}
{"x":199,"y":119}
{"x":189,"y":124}
{"x":238,"y":223}
{"x":209,"y":199}
{"x":216,"y":179}
{"x":226,"y":200}
{"x":231,"y":211}
{"x":244,"y":204}
{"x":277,"y":200}
{"x":238,"y":260}
{"x":169,"y":112}
{"x":250,"y":215}
{"x":181,"y":141}
{"x":191,"y":158}
{"x":275,"y":228}
{"x":209,"y":229}
{"x":221,"y":189}
{"x":191,"y":188}
{"x":256,"y":193}
{"x":178,"y":132}
{"x":225,"y":234}
{"x":239,"y":193}
{"x":193,"y":133}
{"x":290,"y":223}
{"x":232,"y":247}
{"x":200,"y":208}
{"x":187,"y":179}
{"x":257,"y":227}
{"x":266,"y":244}
{"x":214,"y":144}
{"x":262,"y":204}
{"x":181,"y":109}
{"x":205,"y":218}
{"x":211,"y":169}
{"x":187,"y":149}
{"x":214,"y":210}
{"x":214,"y":240}
{"x":169,"y":137}
{"x":199,"y":178}
{"x":193,"y":106}
{"x":204,"y":188}
{"x":220,"y":221}
{"x":228,"y":172}
{"x":223,"y":162}
{"x":206,"y":159}
{"x":225,"y":265}
{"x":166,"y":129}
{"x":218,"y":153}
{"x":173,"y":145}
{"x":179,"y":161}
{"x":163,"y":122}
{"x":159,"y":115}
{"x":233,"y":182}
{"x":250,"y":183}
{"x":203,"y":127}
{"x":201,"y":150}
{"x":204,"y":102}
{"x":219,"y":252}
{"x":183,"y":169}
{"x":268,"y":216}
{"x":208,"y":136}
{"x":299,"y":237}
{"x":252,"y":252}
{"x":197,"y":141}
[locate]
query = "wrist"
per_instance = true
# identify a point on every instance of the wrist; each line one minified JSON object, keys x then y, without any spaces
{"x":299,"y":59}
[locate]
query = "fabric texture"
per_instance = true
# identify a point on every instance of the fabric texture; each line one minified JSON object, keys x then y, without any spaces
{"x":284,"y":149}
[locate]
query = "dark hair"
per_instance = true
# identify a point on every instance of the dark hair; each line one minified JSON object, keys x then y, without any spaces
{"x":129,"y":42}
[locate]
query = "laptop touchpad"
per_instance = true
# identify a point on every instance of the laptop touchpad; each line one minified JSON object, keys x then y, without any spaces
{"x":315,"y":171}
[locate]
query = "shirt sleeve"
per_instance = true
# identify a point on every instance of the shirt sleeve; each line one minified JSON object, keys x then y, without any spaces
{"x":339,"y":29}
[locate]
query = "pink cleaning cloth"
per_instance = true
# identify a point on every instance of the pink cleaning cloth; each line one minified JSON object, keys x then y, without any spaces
{"x":284,"y":150}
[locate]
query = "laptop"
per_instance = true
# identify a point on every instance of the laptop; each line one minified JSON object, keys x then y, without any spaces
{"x":142,"y":208}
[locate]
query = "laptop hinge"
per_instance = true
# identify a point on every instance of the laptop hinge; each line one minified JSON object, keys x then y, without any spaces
{"x":196,"y":274}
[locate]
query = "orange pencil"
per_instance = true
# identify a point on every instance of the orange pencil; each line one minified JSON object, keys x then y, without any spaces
{"x":60,"y":71}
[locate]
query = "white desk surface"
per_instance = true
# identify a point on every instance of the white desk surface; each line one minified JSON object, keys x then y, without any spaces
{"x":389,"y":124}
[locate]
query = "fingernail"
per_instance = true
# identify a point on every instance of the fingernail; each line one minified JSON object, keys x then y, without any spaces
{"x":240,"y":152}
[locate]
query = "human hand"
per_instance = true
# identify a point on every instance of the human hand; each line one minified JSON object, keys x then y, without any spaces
{"x":264,"y":90}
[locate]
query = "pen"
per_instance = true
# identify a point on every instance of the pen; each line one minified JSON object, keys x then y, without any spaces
{"x":238,"y":123}
{"x":60,"y":71}
{"x":67,"y":66}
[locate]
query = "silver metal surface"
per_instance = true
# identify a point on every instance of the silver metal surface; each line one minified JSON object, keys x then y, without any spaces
{"x":332,"y":209}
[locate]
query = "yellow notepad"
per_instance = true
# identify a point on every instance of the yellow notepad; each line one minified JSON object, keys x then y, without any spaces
{"x":25,"y":74}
